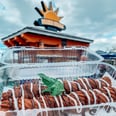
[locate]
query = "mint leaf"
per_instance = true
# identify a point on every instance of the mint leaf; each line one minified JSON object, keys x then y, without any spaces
{"x":47,"y":90}
{"x":54,"y":86}
{"x":57,"y":88}
{"x":47,"y":80}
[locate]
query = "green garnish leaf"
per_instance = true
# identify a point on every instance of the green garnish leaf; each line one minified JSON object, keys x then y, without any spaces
{"x":47,"y":80}
{"x":57,"y":88}
{"x":54,"y":86}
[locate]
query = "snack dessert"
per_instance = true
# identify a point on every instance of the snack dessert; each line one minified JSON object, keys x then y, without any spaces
{"x":77,"y":98}
{"x":84,"y":91}
{"x":35,"y":89}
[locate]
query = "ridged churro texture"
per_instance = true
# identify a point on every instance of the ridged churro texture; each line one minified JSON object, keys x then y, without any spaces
{"x":83,"y":91}
{"x":69,"y":86}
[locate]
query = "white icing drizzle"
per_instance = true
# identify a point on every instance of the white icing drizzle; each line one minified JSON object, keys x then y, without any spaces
{"x":88,"y":97}
{"x":42,"y":99}
{"x":39,"y":89}
{"x":76,"y":96}
{"x":105,"y":82}
{"x":60,"y":80}
{"x":23,"y":106}
{"x":61,"y":101}
{"x":58,"y":105}
{"x":109,"y":94}
{"x":70,"y":87}
{"x":99,"y":83}
{"x":83,"y":83}
{"x":78,"y":85}
{"x":102,"y":94}
{"x":15,"y":100}
{"x":72,"y":100}
{"x":39,"y":106}
{"x":44,"y":104}
{"x":94,"y":96}
{"x":88,"y":83}
{"x":31,"y":88}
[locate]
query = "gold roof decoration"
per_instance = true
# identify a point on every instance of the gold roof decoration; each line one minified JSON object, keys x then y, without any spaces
{"x":50,"y":19}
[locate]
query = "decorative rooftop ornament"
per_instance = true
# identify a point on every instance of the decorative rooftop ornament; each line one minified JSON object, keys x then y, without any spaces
{"x":50,"y":19}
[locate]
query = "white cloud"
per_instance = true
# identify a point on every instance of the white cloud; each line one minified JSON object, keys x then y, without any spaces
{"x":104,"y":44}
{"x":36,"y":2}
{"x":94,"y":19}
{"x":14,"y":17}
{"x":11,"y":14}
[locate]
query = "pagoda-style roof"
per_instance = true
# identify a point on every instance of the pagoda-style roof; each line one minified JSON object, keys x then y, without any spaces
{"x":23,"y":36}
{"x":46,"y":33}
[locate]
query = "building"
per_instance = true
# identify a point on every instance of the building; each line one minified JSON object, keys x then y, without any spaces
{"x":50,"y":37}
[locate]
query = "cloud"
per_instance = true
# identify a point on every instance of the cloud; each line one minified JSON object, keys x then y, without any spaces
{"x":104,"y":44}
{"x":90,"y":16}
{"x":2,"y":7}
{"x":37,"y":2}
{"x":14,"y":17}
{"x":94,"y":19}
{"x":11,"y":14}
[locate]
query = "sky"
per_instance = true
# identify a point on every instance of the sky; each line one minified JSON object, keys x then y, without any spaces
{"x":93,"y":19}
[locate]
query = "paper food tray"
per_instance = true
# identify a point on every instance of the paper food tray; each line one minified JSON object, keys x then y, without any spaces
{"x":103,"y":69}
